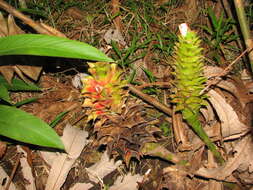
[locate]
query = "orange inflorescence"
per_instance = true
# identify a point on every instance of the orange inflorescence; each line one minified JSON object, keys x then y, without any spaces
{"x":103,"y":90}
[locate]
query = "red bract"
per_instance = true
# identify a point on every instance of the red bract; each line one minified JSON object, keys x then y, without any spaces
{"x":103,"y":89}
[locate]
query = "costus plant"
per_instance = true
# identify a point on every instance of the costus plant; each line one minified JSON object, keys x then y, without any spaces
{"x":189,"y":83}
{"x":103,"y":89}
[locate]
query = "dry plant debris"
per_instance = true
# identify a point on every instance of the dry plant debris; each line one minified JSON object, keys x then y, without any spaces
{"x":125,"y":145}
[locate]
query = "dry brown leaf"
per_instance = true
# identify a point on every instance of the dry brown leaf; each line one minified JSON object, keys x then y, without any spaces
{"x":208,"y":113}
{"x":179,"y":130}
{"x":10,"y":28}
{"x":196,"y":159}
{"x":20,"y":73}
{"x":7,"y":72}
{"x":26,"y":170}
{"x":3,"y":147}
{"x":243,"y":155}
{"x":74,"y":141}
{"x":128,"y":182}
{"x":13,"y":28}
{"x":125,"y":133}
{"x":3,"y":28}
{"x":114,"y":35}
{"x":231,"y":126}
{"x":32,"y":71}
{"x":215,"y":185}
{"x":102,"y":168}
{"x":231,"y":84}
{"x":81,"y":186}
{"x":4,"y":175}
{"x":177,"y":178}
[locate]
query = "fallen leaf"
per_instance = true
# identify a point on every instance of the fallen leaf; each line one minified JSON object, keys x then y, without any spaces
{"x":114,"y":35}
{"x":74,"y":141}
{"x":179,"y":128}
{"x":32,"y":71}
{"x":26,"y":170}
{"x":3,"y":28}
{"x":10,"y":28}
{"x":81,"y":186}
{"x":7,"y":72}
{"x":243,"y":154}
{"x":3,"y":147}
{"x":102,"y":168}
{"x":128,"y":182}
{"x":5,"y":177}
{"x":231,"y":126}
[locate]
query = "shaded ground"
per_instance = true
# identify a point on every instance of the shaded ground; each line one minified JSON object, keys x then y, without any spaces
{"x":140,"y":36}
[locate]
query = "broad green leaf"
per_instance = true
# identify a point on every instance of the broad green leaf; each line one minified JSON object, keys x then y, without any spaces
{"x":44,"y":45}
{"x":21,"y":126}
{"x":4,"y":95}
{"x":18,"y":85}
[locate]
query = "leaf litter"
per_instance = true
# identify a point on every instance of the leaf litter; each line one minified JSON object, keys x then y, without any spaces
{"x":179,"y":161}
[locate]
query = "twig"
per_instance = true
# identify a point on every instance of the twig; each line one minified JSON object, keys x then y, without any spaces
{"x":161,"y":84}
{"x":39,"y":27}
{"x":225,"y":71}
{"x":150,"y":100}
{"x":13,"y":171}
{"x":157,"y":150}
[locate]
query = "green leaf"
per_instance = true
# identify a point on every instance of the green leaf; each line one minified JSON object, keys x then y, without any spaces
{"x":58,"y":118}
{"x":21,"y":126}
{"x":208,"y":30}
{"x":220,"y":23}
{"x":149,"y":74}
{"x":116,"y":49}
{"x":44,"y":45}
{"x":4,"y":95}
{"x":213,"y":18}
{"x":18,"y":85}
{"x":26,"y":101}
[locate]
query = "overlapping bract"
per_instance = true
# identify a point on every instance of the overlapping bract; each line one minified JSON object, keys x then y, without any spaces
{"x":189,"y":79}
{"x":103,"y":89}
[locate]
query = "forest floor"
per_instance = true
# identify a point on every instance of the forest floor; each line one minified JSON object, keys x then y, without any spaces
{"x":117,"y":153}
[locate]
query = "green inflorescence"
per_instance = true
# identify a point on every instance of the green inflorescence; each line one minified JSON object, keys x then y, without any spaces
{"x":189,"y":79}
{"x":189,"y":83}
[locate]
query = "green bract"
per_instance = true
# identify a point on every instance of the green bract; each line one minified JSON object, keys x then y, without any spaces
{"x":189,"y":79}
{"x":189,"y":82}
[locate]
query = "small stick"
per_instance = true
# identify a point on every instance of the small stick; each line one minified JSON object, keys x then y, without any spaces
{"x":40,"y":28}
{"x":160,"y":84}
{"x":150,"y":100}
{"x":225,"y":71}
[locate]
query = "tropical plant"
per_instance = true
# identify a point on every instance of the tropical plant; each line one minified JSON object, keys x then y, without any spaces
{"x":220,"y":34}
{"x":17,"y":124}
{"x":189,"y":83}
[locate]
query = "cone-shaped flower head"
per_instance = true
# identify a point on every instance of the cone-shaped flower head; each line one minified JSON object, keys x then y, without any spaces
{"x":103,"y":90}
{"x":189,"y":79}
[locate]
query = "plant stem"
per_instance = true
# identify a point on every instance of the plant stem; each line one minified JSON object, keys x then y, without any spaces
{"x":244,"y":28}
{"x":196,"y":126}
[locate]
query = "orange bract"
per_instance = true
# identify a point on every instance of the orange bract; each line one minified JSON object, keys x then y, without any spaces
{"x":103,"y":90}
